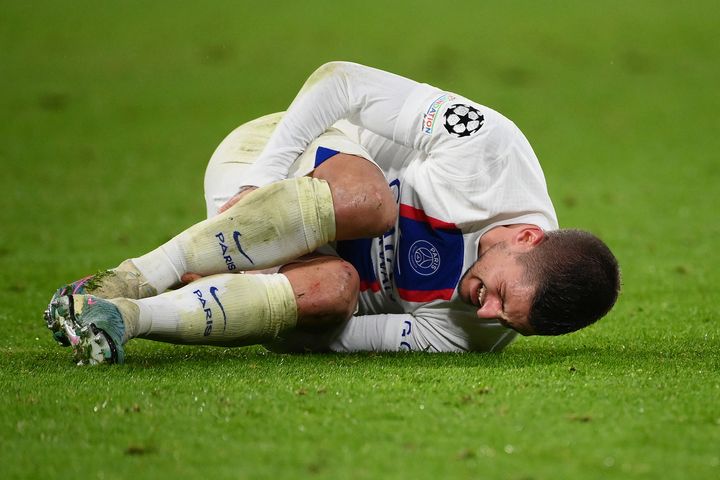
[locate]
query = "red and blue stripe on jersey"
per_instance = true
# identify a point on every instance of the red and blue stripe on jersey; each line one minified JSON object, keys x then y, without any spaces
{"x":430,"y":256}
{"x":428,"y":260}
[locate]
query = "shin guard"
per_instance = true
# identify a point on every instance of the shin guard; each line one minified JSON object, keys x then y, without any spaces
{"x":268,"y":227}
{"x":229,"y":310}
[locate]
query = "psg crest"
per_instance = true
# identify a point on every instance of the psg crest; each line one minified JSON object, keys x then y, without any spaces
{"x":424,"y":258}
{"x":463,"y":120}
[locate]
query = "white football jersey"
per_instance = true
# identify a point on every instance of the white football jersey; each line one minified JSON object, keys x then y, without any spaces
{"x":457,"y":168}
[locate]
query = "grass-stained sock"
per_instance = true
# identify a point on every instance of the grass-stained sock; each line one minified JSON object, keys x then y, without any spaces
{"x":231,"y":310}
{"x":267,"y":227}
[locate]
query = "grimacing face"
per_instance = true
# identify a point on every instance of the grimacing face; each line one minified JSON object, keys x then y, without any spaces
{"x":496,"y":285}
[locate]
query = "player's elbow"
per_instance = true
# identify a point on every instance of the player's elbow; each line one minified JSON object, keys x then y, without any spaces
{"x":327,"y":70}
{"x":330,"y":68}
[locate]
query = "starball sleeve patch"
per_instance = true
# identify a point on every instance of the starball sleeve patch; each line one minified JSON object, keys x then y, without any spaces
{"x":462,"y":120}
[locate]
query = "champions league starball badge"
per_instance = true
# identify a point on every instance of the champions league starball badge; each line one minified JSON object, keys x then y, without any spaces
{"x":424,"y":258}
{"x":462,"y":120}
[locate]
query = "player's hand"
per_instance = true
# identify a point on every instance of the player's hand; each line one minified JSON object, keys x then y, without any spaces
{"x":189,"y":277}
{"x":236,"y":198}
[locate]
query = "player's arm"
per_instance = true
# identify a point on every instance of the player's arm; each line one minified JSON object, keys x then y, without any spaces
{"x":366,"y":96}
{"x":362,"y":333}
{"x":428,"y":330}
{"x":395,"y":333}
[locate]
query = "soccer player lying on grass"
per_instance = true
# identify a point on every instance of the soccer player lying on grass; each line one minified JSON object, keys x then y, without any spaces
{"x":376,"y":214}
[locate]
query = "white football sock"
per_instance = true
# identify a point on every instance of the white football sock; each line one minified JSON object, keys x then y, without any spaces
{"x":123,"y":281}
{"x":268,"y":227}
{"x":230,"y":310}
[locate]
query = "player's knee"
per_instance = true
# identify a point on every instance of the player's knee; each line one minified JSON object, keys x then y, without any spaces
{"x":326,"y":291}
{"x":368,"y":210}
{"x":342,"y":295}
{"x":390,"y":212}
{"x":381,"y":209}
{"x":364,"y":204}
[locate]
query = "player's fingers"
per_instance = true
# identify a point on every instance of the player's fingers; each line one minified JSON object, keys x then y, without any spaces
{"x":235,"y":198}
{"x":190,"y":277}
{"x":229,"y":203}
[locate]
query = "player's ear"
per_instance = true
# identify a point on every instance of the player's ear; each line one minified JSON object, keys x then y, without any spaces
{"x":529,"y":236}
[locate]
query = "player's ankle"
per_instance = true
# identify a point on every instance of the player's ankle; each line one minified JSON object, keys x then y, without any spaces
{"x":130,"y":312}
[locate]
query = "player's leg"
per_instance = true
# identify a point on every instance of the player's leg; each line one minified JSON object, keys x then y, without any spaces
{"x":347,"y":194}
{"x":364,"y":206}
{"x":234,"y":154}
{"x":326,"y":290}
{"x":346,"y":197}
{"x":227,"y":310}
{"x":268,"y":227}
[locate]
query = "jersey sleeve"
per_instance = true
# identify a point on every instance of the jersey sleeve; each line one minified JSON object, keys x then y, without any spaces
{"x":418,"y":333}
{"x":399,"y":109}
{"x":476,"y":164}
{"x":367,"y":97}
{"x":395,"y":333}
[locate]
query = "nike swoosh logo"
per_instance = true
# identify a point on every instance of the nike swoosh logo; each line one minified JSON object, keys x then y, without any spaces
{"x":213,"y":292}
{"x":236,"y":237}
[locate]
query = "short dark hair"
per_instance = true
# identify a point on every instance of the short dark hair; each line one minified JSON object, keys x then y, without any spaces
{"x":577,"y":279}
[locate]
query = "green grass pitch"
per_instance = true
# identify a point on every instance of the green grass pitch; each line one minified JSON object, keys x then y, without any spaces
{"x":110,"y":111}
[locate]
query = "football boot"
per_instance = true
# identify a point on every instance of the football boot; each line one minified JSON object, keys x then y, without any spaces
{"x":92,"y":326}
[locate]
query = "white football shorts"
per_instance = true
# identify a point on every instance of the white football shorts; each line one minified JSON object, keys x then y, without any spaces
{"x":240,"y":149}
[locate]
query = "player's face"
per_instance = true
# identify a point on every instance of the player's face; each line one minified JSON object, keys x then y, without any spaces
{"x":495,"y":284}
